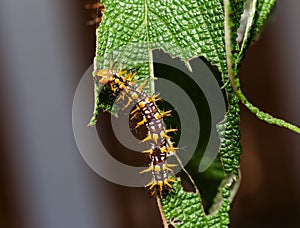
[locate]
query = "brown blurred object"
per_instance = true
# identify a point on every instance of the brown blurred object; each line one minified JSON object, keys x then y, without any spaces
{"x":96,"y":18}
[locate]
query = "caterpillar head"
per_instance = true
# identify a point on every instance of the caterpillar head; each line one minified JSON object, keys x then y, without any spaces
{"x":103,"y":76}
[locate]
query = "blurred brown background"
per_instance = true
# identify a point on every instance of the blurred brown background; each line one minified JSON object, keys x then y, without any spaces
{"x":44,"y":182}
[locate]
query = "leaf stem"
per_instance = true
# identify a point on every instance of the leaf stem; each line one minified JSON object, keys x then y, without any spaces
{"x":162,"y":214}
{"x":263,"y":115}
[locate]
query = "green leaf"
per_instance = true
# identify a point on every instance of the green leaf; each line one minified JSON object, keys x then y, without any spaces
{"x":263,"y":11}
{"x":236,"y":8}
{"x":184,"y":209}
{"x":131,"y":29}
{"x":184,"y":29}
{"x":250,"y":10}
{"x":258,"y":11}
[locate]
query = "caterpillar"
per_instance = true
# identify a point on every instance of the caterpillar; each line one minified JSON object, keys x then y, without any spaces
{"x":160,"y":149}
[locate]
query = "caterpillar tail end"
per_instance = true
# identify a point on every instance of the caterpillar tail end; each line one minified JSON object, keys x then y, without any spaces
{"x":160,"y":188}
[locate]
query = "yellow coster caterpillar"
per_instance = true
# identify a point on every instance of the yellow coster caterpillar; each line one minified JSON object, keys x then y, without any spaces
{"x":122,"y":83}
